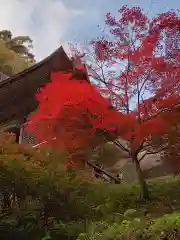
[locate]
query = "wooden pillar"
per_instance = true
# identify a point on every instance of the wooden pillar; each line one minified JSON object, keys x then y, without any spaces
{"x":21,"y":134}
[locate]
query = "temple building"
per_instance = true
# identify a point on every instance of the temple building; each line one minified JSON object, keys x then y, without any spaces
{"x":17,"y":99}
{"x":17,"y":93}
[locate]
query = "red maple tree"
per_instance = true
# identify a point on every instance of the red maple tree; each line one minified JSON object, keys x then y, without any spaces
{"x":136,"y":64}
{"x":134,"y":97}
{"x":75,"y":118}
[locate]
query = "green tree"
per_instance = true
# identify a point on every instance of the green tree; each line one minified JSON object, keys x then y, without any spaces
{"x":15,"y":53}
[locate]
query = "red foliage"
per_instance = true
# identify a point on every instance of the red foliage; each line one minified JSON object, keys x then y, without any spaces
{"x":71,"y":112}
{"x":71,"y":118}
{"x":149,"y":84}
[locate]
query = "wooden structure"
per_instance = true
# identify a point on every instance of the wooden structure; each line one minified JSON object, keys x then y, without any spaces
{"x":17,"y":93}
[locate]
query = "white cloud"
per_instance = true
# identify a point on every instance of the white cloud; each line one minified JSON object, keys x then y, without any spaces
{"x":45,"y":21}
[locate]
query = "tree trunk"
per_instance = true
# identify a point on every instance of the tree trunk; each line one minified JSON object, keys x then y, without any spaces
{"x":142,"y":182}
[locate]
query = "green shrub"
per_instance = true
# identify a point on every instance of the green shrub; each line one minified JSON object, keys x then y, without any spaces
{"x":53,"y":202}
{"x":40,"y":185}
{"x":127,"y":229}
{"x":20,"y":225}
{"x":59,"y":230}
{"x":166,"y":227}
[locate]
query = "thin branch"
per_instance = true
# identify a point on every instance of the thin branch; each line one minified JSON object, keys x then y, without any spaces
{"x":141,"y":158}
{"x":126,"y":87}
{"x":156,"y":152}
{"x":118,"y":144}
{"x":103,"y":80}
{"x":148,"y":153}
{"x":103,"y":171}
{"x":145,"y":80}
{"x":162,"y":111}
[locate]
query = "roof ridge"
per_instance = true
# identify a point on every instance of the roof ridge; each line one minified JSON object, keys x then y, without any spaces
{"x":33,"y":67}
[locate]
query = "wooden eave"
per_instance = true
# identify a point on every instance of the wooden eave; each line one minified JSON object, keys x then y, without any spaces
{"x":17,"y":92}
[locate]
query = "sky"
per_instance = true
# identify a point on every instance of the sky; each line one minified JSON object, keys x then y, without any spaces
{"x":51,"y":23}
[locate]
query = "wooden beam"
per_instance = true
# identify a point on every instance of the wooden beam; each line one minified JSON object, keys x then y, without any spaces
{"x":116,"y":180}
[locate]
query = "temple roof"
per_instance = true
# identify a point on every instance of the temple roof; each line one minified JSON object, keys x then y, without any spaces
{"x":17,"y":92}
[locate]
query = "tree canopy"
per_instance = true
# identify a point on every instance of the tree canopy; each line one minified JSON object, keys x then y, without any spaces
{"x":132,"y":102}
{"x":15,"y":53}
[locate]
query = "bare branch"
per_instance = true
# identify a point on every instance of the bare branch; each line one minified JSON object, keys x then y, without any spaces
{"x":145,"y":80}
{"x":103,"y":80}
{"x":118,"y":144}
{"x":141,"y":158}
{"x":162,"y":111}
{"x":148,"y":153}
{"x":103,"y":171}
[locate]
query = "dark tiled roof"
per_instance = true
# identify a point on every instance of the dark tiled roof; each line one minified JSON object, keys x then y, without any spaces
{"x":17,"y":92}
